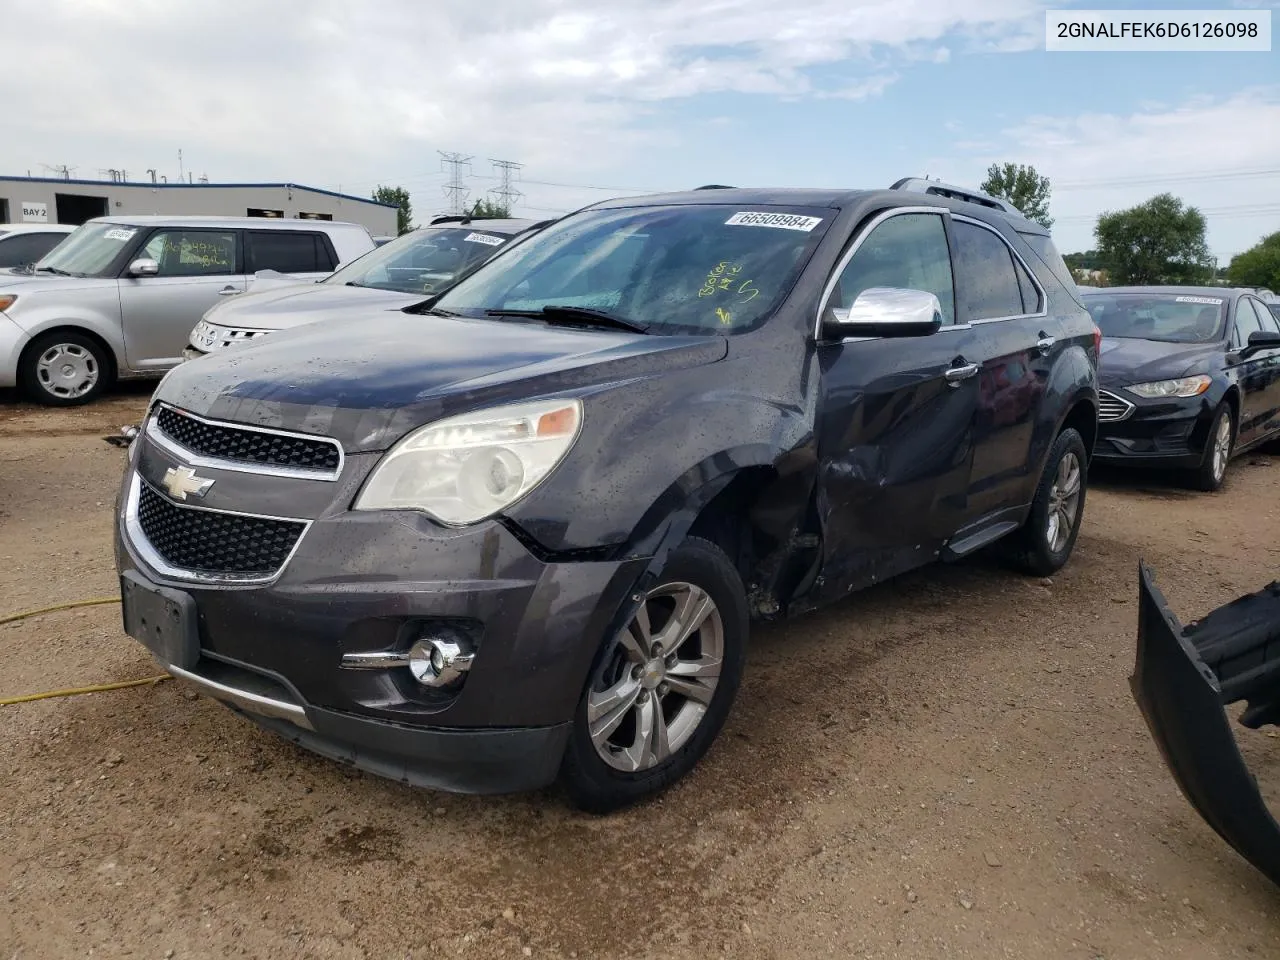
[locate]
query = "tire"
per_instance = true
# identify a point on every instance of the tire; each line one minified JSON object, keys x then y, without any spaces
{"x":1039,"y":548}
{"x":626,"y":684}
{"x":1213,"y":465}
{"x":64,"y":369}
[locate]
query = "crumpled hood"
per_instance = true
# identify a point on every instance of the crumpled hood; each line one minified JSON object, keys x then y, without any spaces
{"x":1123,"y":361}
{"x":370,"y":384}
{"x":287,"y":305}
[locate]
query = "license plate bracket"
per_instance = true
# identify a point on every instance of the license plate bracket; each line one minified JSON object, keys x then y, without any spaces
{"x":161,"y":619}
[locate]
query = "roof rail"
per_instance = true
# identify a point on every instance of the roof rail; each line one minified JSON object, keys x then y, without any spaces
{"x":714,"y":186}
{"x":451,"y":218}
{"x":937,"y":188}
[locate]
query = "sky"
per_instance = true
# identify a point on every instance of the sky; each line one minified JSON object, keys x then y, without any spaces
{"x":599,"y":99}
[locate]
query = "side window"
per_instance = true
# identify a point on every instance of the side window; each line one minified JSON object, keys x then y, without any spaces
{"x":1247,"y":322}
{"x":907,"y":251}
{"x":193,"y":253}
{"x":986,"y":283}
{"x":1267,"y":317}
{"x":1030,"y":295}
{"x":23,"y":248}
{"x":288,"y":251}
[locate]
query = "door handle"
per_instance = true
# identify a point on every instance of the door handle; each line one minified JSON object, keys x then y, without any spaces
{"x":1045,"y":343}
{"x":228,"y":291}
{"x":955,"y":374}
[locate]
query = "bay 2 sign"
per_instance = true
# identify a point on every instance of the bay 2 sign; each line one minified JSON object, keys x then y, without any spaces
{"x":35,"y":212}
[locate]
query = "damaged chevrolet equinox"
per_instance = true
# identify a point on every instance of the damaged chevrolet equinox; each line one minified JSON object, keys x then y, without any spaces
{"x":517,"y":533}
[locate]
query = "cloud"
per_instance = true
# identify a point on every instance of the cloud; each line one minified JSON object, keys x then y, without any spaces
{"x":1214,"y":152}
{"x":341,"y":93}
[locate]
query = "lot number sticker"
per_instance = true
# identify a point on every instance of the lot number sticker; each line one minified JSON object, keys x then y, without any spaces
{"x":1216,"y":303}
{"x":783,"y":221}
{"x":486,"y":239}
{"x":119,"y":234}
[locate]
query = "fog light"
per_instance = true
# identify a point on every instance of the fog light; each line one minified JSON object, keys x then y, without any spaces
{"x":439,"y":662}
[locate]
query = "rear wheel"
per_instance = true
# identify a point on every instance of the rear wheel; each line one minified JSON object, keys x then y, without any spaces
{"x":661,"y":692}
{"x":63,"y":369}
{"x":1217,"y":451}
{"x":1044,"y":543}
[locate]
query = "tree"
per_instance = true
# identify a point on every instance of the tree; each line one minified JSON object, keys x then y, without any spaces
{"x":1259,"y":266}
{"x":489,"y":210}
{"x":1021,"y":186}
{"x":397,"y":197}
{"x":1159,"y":241}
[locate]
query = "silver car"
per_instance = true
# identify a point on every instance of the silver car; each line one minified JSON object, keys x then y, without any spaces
{"x":119,"y":296}
{"x":406,"y":270}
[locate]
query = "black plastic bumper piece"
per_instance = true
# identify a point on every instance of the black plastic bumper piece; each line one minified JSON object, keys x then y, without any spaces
{"x":1182,"y":698}
{"x":479,"y":761}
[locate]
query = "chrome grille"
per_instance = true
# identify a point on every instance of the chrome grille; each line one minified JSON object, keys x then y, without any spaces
{"x":249,"y":445}
{"x":1112,"y":408}
{"x":214,"y":544}
{"x":207,"y":338}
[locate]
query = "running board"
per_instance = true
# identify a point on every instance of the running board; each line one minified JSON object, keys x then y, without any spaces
{"x":956,"y":549}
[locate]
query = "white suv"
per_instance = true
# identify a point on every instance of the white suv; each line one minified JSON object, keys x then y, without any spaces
{"x":119,"y":296}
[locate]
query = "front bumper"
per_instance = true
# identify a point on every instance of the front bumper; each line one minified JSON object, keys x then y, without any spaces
{"x":1183,"y":678}
{"x":1169,"y":433}
{"x":12,"y":340}
{"x":375,"y":582}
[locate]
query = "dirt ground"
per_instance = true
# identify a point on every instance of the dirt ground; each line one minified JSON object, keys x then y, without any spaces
{"x":949,"y":765}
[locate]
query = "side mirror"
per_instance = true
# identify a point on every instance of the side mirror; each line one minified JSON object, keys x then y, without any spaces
{"x":144,"y":267}
{"x":888,"y":312}
{"x":1261,"y":340}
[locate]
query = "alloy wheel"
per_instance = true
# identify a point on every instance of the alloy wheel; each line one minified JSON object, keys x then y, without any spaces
{"x":659,"y":680}
{"x":1064,"y":502}
{"x":1221,"y":447}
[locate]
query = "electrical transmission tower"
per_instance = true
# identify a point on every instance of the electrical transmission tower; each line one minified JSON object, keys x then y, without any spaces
{"x":506,"y":171}
{"x":455,"y":189}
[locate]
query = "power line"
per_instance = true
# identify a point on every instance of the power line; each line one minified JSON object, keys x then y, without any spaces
{"x":1203,"y":176}
{"x":455,"y":189}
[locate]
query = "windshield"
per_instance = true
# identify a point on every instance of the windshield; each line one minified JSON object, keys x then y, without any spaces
{"x":88,"y":251}
{"x":1173,"y":317}
{"x":675,"y":269}
{"x":424,"y":261}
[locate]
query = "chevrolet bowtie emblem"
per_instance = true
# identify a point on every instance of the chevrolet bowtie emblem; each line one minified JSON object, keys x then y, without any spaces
{"x":182,"y":481}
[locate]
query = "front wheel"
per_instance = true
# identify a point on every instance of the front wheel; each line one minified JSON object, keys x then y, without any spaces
{"x":1217,"y":452}
{"x":663,"y":688}
{"x":64,"y":369}
{"x":1044,"y":543}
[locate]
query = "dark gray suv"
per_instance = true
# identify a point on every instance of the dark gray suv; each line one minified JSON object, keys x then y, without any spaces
{"x":519,"y":531}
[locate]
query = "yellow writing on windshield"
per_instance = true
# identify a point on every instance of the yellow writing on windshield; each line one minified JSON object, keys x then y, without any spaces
{"x":725,"y":316}
{"x":724,"y":278}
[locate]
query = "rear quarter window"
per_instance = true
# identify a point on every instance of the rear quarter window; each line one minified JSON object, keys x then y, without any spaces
{"x":1043,"y":247}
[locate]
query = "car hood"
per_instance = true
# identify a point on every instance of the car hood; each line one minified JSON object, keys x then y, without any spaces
{"x":13,"y":281}
{"x":1123,"y":361}
{"x":399,"y":371}
{"x":279,"y":307}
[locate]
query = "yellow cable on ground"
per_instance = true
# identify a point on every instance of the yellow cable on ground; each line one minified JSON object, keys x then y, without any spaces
{"x":14,"y":617}
{"x":75,"y":691}
{"x":79,"y":690}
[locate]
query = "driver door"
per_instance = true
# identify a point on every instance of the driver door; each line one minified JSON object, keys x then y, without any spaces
{"x":197,"y":266}
{"x":896,"y":415}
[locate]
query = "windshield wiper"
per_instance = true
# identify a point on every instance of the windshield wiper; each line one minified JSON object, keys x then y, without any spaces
{"x":54,"y":270}
{"x":555,"y":311}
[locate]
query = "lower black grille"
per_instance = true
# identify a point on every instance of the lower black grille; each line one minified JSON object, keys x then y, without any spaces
{"x":246,"y":445}
{"x":225,"y":544}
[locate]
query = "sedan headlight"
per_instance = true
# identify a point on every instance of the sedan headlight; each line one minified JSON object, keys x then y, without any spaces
{"x":1182,"y":387}
{"x":466,"y":468}
{"x":7,"y":300}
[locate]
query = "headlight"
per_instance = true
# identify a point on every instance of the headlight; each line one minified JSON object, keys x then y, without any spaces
{"x":466,"y":468}
{"x":1182,"y":387}
{"x":7,"y":300}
